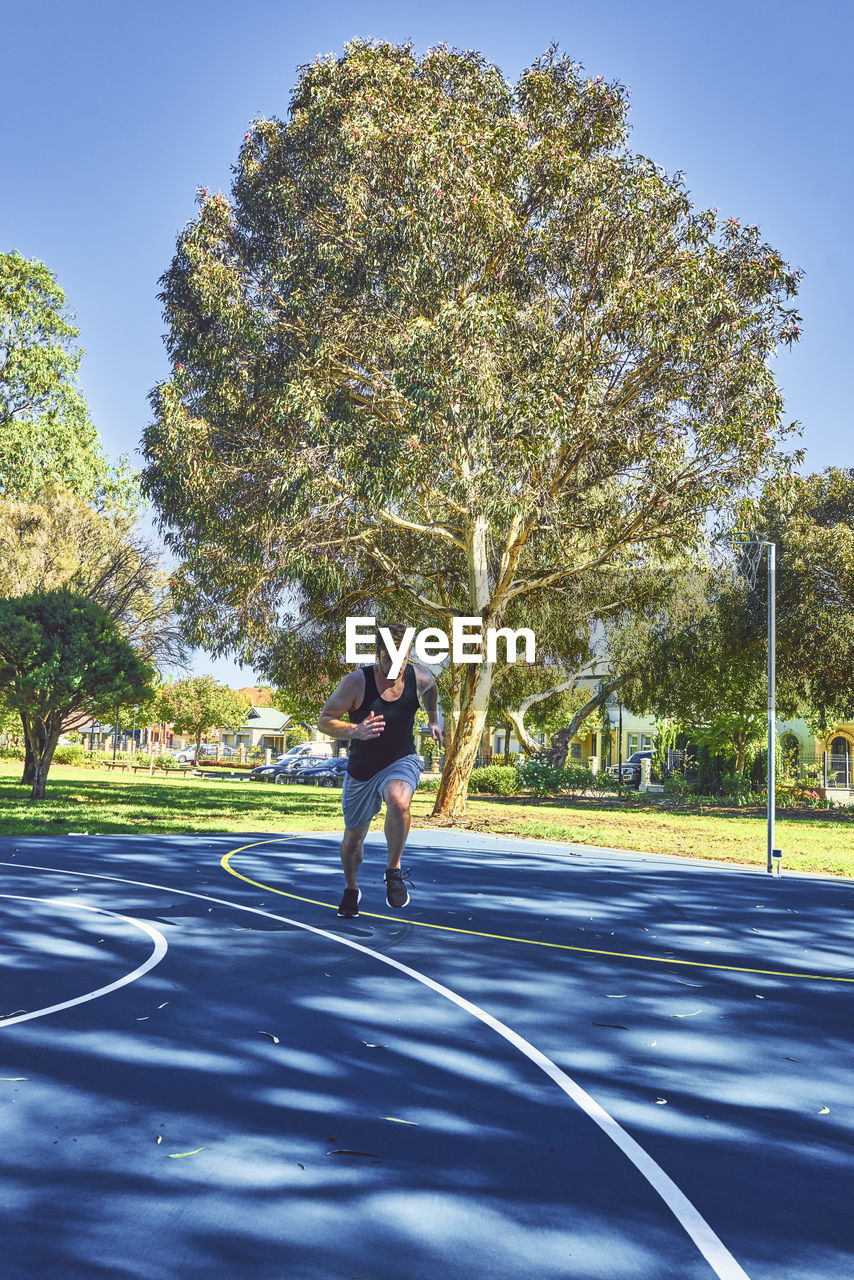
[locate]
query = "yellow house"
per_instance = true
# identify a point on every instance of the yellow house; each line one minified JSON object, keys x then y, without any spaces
{"x":600,"y":741}
{"x":826,"y":761}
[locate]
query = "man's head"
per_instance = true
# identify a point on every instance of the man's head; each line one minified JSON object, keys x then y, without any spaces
{"x":385,"y":660}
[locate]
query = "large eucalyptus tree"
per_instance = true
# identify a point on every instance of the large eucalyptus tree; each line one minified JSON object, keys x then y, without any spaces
{"x":450,"y":342}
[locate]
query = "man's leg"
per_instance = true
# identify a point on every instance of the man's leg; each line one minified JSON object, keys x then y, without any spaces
{"x":352,"y":853}
{"x":398,"y":796}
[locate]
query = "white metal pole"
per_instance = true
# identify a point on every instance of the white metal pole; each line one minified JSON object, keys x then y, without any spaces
{"x":772,"y":698}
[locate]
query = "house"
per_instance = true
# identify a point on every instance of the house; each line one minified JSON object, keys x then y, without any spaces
{"x":827,"y":762}
{"x":265,"y":729}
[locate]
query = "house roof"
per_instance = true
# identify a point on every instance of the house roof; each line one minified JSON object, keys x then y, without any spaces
{"x":267,"y":718}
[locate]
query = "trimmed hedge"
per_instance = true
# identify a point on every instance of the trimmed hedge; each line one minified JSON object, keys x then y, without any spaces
{"x":494,"y":779}
{"x":546,"y":779}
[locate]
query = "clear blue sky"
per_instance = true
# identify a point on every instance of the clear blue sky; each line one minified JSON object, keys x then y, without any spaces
{"x":112,"y":115}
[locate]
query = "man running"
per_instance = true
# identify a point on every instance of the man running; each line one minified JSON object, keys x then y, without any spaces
{"x":383,"y":763}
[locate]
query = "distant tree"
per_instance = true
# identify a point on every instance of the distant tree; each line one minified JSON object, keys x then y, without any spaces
{"x":46,"y":435}
{"x":199,"y":704}
{"x":452,"y":345}
{"x":10,"y":721}
{"x":705,"y":664}
{"x":63,"y":659}
{"x":811,"y":521}
{"x":59,"y":540}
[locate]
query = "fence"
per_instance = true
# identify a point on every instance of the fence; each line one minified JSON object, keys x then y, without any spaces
{"x":829,"y":769}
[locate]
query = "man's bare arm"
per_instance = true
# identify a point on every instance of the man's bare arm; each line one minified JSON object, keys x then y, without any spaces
{"x":428,"y":692}
{"x":347,"y":697}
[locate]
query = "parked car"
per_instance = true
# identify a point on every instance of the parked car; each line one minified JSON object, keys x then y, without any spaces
{"x":207,"y":751}
{"x":282,"y":770}
{"x":303,"y":749}
{"x":329,"y":773}
{"x":630,"y":773}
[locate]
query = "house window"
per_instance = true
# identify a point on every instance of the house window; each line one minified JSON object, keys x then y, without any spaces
{"x":839,"y":762}
{"x":639,"y":742}
{"x":575,"y":750}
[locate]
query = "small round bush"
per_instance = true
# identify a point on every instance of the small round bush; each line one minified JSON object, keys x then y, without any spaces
{"x":494,"y":779}
{"x":69,"y":755}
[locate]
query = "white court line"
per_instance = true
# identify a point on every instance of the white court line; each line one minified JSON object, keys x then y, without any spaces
{"x":687,"y":1215}
{"x":160,"y":949}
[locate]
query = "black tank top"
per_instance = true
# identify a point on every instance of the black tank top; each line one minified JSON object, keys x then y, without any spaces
{"x":368,"y":756}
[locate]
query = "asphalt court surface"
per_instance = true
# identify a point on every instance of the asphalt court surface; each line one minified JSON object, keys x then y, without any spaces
{"x":555,"y":1064}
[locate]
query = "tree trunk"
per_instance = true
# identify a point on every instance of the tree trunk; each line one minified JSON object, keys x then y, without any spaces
{"x":460,"y":757}
{"x":508,"y":728}
{"x":517,"y":714}
{"x":42,"y":756}
{"x":474,"y":684}
{"x":556,"y":754}
{"x":527,"y":743}
{"x":29,"y":762}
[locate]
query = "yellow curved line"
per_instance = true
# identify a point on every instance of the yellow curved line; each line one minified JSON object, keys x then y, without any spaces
{"x":225,"y":862}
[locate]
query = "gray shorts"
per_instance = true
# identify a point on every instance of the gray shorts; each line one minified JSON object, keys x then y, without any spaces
{"x":362,"y":801}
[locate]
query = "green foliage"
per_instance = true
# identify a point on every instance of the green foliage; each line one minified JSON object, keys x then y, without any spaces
{"x":11,"y":752}
{"x":429,"y":782}
{"x":545,"y":779}
{"x":58,"y":540}
{"x":663,"y":742}
{"x":800,"y":797}
{"x":540,"y":777}
{"x":75,"y":755}
{"x":495,"y":779}
{"x":199,"y":704}
{"x":62,"y":657}
{"x":450,"y":346}
{"x":46,"y":436}
{"x":10,"y":721}
{"x":678,"y":785}
{"x":699,"y":667}
{"x":736,"y":787}
{"x":707,"y":668}
{"x":600,"y":781}
{"x":709,"y":770}
{"x":811,"y":520}
{"x":296,"y":736}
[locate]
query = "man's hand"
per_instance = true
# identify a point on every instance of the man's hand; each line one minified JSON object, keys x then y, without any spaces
{"x":371,"y":727}
{"x":436,"y":732}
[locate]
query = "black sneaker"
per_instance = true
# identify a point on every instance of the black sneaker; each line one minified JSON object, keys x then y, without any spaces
{"x":396,"y":892}
{"x":349,"y":908}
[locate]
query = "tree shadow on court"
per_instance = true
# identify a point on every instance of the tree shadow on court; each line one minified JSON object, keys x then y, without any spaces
{"x":321,"y":1114}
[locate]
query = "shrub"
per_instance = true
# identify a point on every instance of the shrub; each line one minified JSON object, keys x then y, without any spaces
{"x":13,"y":753}
{"x":678,"y":786}
{"x":801,"y":797}
{"x":296,"y":736}
{"x":601,"y":781}
{"x":429,"y":782}
{"x":165,"y":762}
{"x":539,"y":776}
{"x":544,"y":779}
{"x":736,"y":786}
{"x":495,"y":779}
{"x":69,"y":755}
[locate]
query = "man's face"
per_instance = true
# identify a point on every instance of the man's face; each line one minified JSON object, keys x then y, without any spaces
{"x":385,"y":660}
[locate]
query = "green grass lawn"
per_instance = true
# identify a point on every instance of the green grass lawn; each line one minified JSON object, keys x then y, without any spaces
{"x":98,"y":802}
